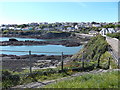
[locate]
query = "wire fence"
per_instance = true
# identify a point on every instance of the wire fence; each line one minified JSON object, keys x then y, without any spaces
{"x":83,"y":65}
{"x":32,"y":75}
{"x":31,"y":51}
{"x":30,"y":54}
{"x":30,"y":59}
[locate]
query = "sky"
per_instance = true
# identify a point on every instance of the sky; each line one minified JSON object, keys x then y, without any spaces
{"x":27,"y":12}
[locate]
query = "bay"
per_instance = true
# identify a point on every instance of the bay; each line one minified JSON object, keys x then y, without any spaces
{"x":56,"y":49}
{"x":42,"y":49}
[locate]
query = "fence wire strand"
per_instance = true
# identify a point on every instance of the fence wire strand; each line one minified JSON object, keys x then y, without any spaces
{"x":31,"y":51}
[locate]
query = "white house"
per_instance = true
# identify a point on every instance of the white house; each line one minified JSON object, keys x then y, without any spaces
{"x":76,"y":27}
{"x":37,"y":28}
{"x":93,"y":32}
{"x":17,"y":29}
{"x":3,"y":28}
{"x":47,"y":29}
{"x":11,"y":28}
{"x":88,"y":25}
{"x":27,"y":28}
{"x":104,"y":31}
{"x":96,"y":25}
{"x":70,"y":28}
{"x":79,"y":26}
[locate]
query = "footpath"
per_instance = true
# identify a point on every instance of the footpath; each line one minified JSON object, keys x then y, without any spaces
{"x":41,"y":84}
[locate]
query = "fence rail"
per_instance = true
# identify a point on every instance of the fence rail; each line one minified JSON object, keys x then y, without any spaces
{"x":113,"y":54}
{"x":30,"y":58}
{"x":61,"y":59}
{"x":31,"y":51}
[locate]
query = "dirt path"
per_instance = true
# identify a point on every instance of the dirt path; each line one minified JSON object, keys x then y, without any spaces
{"x":41,"y":84}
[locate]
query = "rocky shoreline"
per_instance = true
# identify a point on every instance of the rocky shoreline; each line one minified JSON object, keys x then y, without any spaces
{"x":17,"y":63}
{"x":68,"y":42}
{"x":27,"y":42}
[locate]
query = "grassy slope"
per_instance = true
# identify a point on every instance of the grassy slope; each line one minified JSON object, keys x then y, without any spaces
{"x":93,"y":49}
{"x":102,"y":80}
{"x":96,"y":49}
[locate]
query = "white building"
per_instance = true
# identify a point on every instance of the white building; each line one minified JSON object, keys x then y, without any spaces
{"x":11,"y":28}
{"x":17,"y":28}
{"x":93,"y":32}
{"x":76,"y":27}
{"x":79,"y":26}
{"x":70,"y":28}
{"x":104,"y":31}
{"x":37,"y":28}
{"x":47,"y":29}
{"x":3,"y":28}
{"x":96,"y":25}
{"x":27,"y":28}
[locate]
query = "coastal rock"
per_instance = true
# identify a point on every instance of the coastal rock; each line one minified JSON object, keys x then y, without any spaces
{"x":13,"y":39}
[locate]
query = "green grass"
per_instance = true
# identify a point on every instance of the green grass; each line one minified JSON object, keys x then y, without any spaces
{"x":43,"y":77}
{"x":103,"y":80}
{"x":54,"y":31}
{"x":113,"y":64}
{"x":0,"y":84}
{"x":114,"y":35}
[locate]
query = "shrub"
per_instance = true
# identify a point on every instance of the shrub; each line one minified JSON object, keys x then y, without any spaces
{"x":114,"y":35}
{"x":9,"y":80}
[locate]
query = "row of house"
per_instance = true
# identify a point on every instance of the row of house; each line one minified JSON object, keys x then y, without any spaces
{"x":104,"y":31}
{"x":15,"y":28}
{"x":67,"y":27}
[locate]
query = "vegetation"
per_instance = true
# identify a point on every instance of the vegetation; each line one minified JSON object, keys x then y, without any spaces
{"x":102,"y":80}
{"x":22,"y":26}
{"x":5,"y":31}
{"x":95,"y":51}
{"x":55,"y":32}
{"x":9,"y":80}
{"x":110,"y":25}
{"x":46,"y":76}
{"x":114,"y":35}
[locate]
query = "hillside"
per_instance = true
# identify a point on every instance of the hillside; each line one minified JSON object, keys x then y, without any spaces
{"x":95,"y":52}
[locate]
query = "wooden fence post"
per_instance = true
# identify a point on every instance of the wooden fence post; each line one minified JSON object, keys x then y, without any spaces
{"x":30,"y":62}
{"x":108,"y":62}
{"x":62,"y":61}
{"x":83,"y":60}
{"x":98,"y":64}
